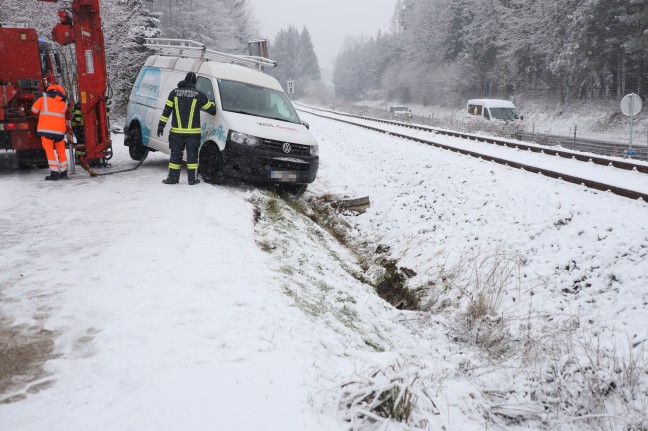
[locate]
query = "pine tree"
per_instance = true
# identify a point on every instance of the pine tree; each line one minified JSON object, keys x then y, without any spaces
{"x":309,"y":64}
{"x":126,"y":23}
{"x":295,"y":53}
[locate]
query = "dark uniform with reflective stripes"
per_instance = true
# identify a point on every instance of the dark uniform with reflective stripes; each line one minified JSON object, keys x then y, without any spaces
{"x":77,"y":124}
{"x":185,"y":102}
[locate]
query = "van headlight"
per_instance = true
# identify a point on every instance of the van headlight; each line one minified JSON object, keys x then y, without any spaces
{"x":314,"y":150}
{"x":243,"y":139}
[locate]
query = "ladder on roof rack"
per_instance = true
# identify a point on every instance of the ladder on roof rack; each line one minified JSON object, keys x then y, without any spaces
{"x":192,"y":49}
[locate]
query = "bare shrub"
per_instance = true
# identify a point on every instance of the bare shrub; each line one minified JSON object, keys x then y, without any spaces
{"x":604,"y":385}
{"x":483,"y":278}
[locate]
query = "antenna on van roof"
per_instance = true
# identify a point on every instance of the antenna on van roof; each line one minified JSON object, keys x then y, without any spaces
{"x":192,"y":49}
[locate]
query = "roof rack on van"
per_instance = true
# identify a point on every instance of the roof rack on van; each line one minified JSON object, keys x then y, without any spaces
{"x":192,"y":49}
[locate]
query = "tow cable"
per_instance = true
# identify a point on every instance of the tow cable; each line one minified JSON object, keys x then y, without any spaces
{"x":96,"y":174}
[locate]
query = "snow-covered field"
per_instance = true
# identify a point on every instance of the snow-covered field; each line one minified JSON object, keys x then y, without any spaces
{"x":133,"y":305}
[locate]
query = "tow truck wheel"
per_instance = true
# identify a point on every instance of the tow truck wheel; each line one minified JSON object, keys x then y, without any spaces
{"x":136,"y":149}
{"x":22,"y":160}
{"x":211,"y":164}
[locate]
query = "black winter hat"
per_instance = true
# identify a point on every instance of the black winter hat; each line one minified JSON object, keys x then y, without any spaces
{"x":191,"y":77}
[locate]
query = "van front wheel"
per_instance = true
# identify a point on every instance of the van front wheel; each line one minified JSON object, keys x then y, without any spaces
{"x":292,"y":190}
{"x":211,"y":165}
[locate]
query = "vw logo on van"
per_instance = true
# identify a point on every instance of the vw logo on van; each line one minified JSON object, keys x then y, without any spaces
{"x":287,"y":148}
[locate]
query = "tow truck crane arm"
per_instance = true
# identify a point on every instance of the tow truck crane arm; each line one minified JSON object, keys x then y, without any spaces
{"x":83,"y":29}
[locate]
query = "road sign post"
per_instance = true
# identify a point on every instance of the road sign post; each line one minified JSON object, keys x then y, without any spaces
{"x":630,"y":106}
{"x":290,"y":86}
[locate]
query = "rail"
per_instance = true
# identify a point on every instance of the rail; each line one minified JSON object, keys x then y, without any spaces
{"x":632,"y":194}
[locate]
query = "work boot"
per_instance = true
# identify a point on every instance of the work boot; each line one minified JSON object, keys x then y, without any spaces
{"x":192,"y":177}
{"x":53,"y":176}
{"x":63,"y":175}
{"x":173,"y":177}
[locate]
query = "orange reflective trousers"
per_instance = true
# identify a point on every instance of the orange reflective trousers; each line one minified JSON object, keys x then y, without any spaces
{"x":55,"y":165}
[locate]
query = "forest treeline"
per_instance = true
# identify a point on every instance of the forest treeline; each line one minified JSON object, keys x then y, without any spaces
{"x":436,"y":50}
{"x":449,"y":49}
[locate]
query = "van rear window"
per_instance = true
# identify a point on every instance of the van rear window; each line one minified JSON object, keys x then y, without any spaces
{"x":149,"y":86}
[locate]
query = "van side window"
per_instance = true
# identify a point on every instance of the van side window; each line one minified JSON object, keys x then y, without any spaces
{"x":475,"y":109}
{"x":205,"y":86}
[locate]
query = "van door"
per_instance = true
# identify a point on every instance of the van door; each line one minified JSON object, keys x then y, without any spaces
{"x":168,"y":82}
{"x":212,"y":128}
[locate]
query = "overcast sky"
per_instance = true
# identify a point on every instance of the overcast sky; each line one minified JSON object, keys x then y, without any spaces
{"x":328,"y":21}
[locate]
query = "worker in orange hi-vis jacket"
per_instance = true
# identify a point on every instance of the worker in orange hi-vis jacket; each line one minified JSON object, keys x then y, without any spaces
{"x":51,"y":109}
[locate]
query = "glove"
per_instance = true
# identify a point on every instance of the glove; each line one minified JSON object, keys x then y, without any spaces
{"x":160,"y":131}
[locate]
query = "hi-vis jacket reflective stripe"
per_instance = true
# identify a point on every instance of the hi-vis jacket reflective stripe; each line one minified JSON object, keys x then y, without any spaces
{"x":51,"y":114}
{"x":185,"y":102}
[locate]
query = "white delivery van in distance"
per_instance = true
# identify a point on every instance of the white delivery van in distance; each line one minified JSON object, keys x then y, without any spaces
{"x":493,"y":109}
{"x":255,"y":135}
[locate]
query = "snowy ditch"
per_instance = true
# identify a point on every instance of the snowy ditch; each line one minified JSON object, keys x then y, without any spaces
{"x":328,"y":274}
{"x":563,"y":372}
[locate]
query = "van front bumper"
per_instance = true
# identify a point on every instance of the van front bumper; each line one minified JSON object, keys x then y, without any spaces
{"x":268,"y":162}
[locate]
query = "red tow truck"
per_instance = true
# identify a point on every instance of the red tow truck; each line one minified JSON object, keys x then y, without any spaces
{"x":29,"y":65}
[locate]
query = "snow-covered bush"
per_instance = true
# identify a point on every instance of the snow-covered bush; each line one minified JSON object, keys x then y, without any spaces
{"x":392,"y":394}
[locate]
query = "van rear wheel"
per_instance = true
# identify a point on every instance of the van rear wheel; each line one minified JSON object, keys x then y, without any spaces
{"x":136,"y":149}
{"x":211,"y":165}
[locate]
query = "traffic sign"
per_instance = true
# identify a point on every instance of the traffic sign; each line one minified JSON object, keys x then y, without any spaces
{"x":291,"y":86}
{"x":631,"y":105}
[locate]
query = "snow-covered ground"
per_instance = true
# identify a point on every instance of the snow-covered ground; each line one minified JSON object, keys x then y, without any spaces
{"x":161,"y":307}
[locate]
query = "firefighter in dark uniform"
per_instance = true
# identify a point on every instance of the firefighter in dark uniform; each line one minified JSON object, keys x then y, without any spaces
{"x":185,"y":102}
{"x":77,"y":124}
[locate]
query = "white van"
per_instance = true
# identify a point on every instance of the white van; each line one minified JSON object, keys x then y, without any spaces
{"x":255,"y":135}
{"x":493,"y":109}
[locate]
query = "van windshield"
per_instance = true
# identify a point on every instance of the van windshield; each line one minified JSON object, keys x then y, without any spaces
{"x":254,"y":100}
{"x":504,"y":113}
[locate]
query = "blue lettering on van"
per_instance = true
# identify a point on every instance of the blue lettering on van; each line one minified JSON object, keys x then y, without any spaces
{"x":212,"y":131}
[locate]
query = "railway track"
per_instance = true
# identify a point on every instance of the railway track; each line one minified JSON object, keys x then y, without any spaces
{"x":598,"y":160}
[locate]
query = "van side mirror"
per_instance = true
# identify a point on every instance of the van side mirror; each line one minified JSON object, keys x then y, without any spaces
{"x":306,"y":125}
{"x":521,"y":117}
